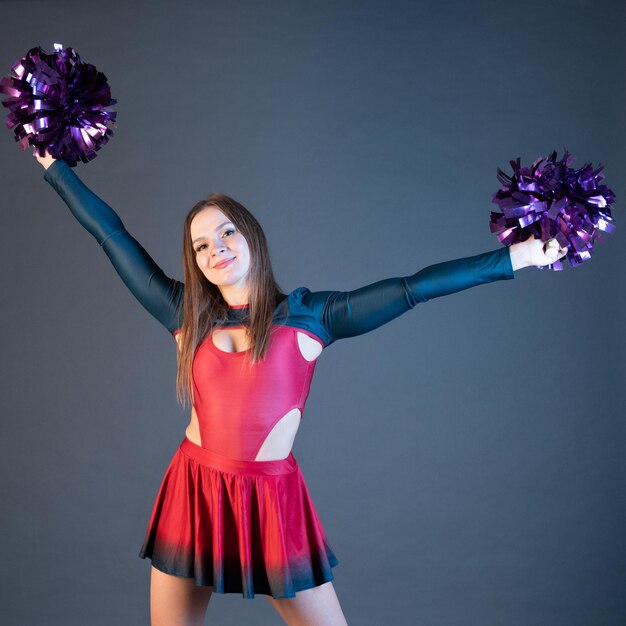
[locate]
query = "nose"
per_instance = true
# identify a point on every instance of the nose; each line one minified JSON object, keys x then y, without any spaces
{"x":216,"y":250}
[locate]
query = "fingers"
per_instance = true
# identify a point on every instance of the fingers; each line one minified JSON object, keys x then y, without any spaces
{"x":553,"y":251}
{"x":46,"y":161}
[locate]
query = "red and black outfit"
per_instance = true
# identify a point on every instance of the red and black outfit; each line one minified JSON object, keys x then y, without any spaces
{"x":220,"y":517}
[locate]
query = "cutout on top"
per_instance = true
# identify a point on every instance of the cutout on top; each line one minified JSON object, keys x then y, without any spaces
{"x":232,"y":340}
{"x":192,"y":432}
{"x":278,"y":443}
{"x":309,"y":347}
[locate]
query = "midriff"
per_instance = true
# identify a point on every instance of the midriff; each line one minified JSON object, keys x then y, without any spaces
{"x":192,"y":432}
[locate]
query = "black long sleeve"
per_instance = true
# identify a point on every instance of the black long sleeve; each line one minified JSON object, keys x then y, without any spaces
{"x":340,"y":313}
{"x":350,"y":313}
{"x":160,"y":295}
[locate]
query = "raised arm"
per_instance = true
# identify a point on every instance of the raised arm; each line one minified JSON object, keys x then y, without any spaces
{"x":349,"y":313}
{"x":160,"y":295}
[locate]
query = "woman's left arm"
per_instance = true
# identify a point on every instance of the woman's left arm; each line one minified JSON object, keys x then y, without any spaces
{"x":350,"y":313}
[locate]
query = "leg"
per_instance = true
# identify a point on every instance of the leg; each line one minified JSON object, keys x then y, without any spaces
{"x":176,"y":601}
{"x":318,"y":606}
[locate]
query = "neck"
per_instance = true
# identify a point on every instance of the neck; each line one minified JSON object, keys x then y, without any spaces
{"x":235,"y":296}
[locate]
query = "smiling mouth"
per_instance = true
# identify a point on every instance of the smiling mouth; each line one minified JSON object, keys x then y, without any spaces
{"x":219,"y":266}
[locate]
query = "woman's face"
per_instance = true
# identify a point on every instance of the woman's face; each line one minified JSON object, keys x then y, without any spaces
{"x":216,"y":240}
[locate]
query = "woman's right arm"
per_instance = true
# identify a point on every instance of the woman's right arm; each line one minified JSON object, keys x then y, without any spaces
{"x":160,"y":295}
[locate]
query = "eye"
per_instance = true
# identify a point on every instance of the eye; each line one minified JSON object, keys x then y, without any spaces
{"x":199,"y":248}
{"x":230,"y":230}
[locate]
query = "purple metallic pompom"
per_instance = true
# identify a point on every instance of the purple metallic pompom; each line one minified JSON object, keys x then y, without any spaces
{"x":552,"y":200}
{"x":58,"y":104}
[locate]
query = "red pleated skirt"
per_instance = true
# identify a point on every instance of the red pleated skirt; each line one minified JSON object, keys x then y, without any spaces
{"x":246,"y":527}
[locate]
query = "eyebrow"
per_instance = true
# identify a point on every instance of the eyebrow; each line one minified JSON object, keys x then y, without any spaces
{"x":203,"y":237}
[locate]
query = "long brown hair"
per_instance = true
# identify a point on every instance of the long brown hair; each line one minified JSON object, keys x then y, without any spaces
{"x":203,"y":304}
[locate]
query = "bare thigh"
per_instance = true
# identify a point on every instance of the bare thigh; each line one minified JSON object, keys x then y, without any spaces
{"x":176,"y":601}
{"x":318,"y":606}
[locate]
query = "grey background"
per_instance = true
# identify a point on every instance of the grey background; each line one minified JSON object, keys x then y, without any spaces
{"x":467,"y":459}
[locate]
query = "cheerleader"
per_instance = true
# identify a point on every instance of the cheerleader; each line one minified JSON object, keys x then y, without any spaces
{"x":232,"y":513}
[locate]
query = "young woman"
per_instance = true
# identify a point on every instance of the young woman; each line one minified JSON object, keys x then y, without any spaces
{"x":233,"y":514}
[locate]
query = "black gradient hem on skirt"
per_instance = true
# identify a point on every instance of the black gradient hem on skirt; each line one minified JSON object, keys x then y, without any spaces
{"x":245,"y":527}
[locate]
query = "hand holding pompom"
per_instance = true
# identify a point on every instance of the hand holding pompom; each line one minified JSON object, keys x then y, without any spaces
{"x":58,"y":103}
{"x":536,"y":253}
{"x":552,"y":201}
{"x":46,"y":161}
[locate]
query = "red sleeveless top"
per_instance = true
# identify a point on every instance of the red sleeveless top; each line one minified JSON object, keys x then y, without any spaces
{"x":238,"y":404}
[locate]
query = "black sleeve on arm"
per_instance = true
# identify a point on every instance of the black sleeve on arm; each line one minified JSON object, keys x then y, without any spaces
{"x":160,"y":295}
{"x":349,"y":313}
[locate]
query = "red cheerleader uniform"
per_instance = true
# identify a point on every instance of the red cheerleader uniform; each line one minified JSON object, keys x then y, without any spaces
{"x":220,"y":517}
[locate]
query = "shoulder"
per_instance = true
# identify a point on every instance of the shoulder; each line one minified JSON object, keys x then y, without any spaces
{"x":303,"y":308}
{"x":302,"y":299}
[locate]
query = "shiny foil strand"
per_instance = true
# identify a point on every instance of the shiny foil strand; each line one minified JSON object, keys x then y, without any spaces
{"x":551,"y":200}
{"x":60,"y":104}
